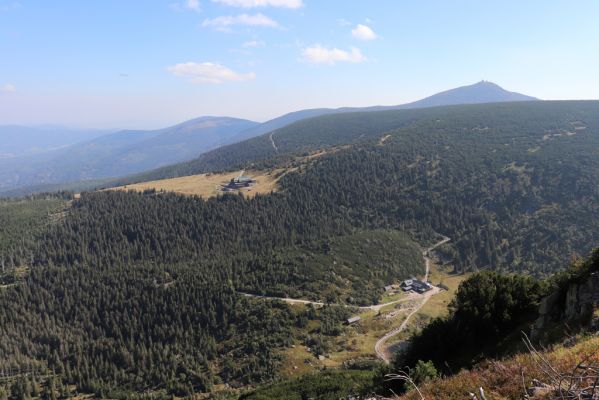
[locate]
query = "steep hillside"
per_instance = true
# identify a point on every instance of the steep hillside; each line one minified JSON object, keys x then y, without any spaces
{"x":490,"y":312}
{"x":122,"y":153}
{"x":515,"y":377}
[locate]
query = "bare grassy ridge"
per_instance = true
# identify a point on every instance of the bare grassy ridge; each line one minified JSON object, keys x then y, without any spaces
{"x":209,"y":185}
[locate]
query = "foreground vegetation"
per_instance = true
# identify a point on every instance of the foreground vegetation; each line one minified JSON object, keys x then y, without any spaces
{"x":327,"y":385}
{"x":511,"y":377}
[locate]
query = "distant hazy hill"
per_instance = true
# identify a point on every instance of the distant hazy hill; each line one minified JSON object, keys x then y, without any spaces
{"x":121,"y":153}
{"x":16,"y":141}
{"x":481,"y":92}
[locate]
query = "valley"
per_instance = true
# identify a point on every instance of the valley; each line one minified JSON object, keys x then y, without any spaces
{"x":299,"y":200}
{"x":115,"y":289}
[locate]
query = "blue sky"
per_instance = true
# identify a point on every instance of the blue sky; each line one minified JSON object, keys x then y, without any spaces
{"x":151,"y":63}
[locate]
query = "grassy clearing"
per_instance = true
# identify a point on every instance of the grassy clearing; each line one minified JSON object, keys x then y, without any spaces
{"x":393,"y":296}
{"x":355,"y":343}
{"x":209,"y":185}
{"x":437,"y":306}
{"x":358,"y":341}
{"x":298,"y":361}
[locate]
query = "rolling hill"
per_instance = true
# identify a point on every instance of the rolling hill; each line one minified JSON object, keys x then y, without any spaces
{"x":18,"y":141}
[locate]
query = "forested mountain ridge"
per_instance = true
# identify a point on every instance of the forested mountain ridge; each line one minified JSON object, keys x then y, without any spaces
{"x":333,"y":130}
{"x":533,"y":164}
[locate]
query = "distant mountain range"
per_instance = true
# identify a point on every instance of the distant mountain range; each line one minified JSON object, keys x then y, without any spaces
{"x":49,"y":156}
{"x":122,"y":153}
{"x":17,"y":141}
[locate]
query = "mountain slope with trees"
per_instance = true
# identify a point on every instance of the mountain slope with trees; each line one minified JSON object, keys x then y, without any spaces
{"x":139,"y":291}
{"x":539,"y":118}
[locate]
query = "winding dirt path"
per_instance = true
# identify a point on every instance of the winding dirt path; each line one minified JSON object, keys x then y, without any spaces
{"x":274,"y":146}
{"x":374,"y":307}
{"x":380,"y":349}
{"x":427,"y":260}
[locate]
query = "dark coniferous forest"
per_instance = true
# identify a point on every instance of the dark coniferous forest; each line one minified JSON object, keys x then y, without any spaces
{"x":121,"y":292}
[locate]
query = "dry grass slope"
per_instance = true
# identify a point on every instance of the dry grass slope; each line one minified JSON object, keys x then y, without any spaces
{"x":209,"y":185}
{"x":510,"y":378}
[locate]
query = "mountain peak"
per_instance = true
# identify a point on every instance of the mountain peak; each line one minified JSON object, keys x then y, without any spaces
{"x":480,"y":92}
{"x":486,"y":83}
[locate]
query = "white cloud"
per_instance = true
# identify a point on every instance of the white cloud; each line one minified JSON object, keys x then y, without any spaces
{"x":363,"y":32}
{"x":8,"y":88}
{"x":318,"y":54}
{"x":193,"y":5}
{"x":253,"y":43}
{"x":226,"y":21}
{"x":262,"y":3}
{"x":208,"y":72}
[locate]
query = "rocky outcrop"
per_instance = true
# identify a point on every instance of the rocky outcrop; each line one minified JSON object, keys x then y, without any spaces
{"x":582,"y":299}
{"x":578,"y":306}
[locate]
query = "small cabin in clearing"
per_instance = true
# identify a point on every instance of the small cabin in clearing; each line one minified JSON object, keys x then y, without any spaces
{"x":406,"y":285}
{"x":239,"y":182}
{"x":243,"y":180}
{"x":353,"y":320}
{"x":415,"y":285}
